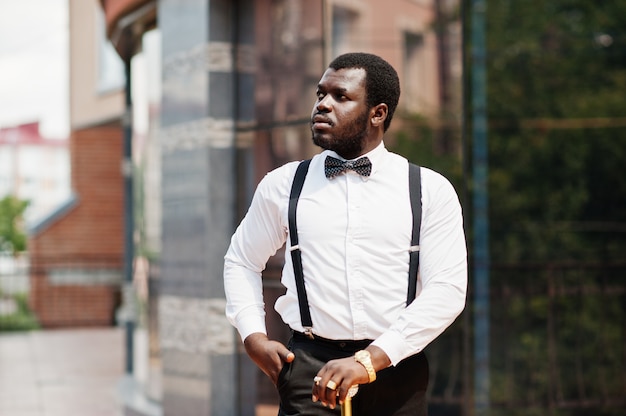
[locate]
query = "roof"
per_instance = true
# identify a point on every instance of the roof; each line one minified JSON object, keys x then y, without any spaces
{"x":27,"y":134}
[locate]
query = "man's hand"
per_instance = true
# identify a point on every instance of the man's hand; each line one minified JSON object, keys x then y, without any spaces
{"x":270,"y":356}
{"x":344,"y":373}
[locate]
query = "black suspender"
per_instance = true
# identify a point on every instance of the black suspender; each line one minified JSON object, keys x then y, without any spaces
{"x":296,"y":258}
{"x":415,"y":193}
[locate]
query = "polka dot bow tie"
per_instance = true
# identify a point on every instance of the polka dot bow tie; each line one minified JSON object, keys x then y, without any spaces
{"x":334,"y":166}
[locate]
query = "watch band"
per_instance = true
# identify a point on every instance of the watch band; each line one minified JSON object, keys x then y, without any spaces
{"x":364,"y":358}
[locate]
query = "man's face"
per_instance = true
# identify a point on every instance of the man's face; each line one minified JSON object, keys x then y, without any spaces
{"x":340,"y":116}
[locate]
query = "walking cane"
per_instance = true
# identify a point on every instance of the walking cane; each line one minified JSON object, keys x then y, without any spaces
{"x":346,"y":406}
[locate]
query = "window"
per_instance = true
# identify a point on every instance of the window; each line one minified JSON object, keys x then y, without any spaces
{"x":413,"y":70}
{"x":110,"y":67}
{"x":343,"y":30}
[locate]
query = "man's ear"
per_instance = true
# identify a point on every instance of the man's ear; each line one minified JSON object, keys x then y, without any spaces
{"x":379,"y":115}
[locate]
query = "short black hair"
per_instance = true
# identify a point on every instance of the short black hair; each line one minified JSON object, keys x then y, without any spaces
{"x":382,"y":84}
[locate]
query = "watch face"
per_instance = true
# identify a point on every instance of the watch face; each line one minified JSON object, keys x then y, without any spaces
{"x":364,"y":358}
{"x":362,"y":355}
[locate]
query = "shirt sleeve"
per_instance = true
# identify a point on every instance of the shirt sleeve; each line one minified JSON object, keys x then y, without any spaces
{"x":442,"y":281}
{"x":259,"y":235}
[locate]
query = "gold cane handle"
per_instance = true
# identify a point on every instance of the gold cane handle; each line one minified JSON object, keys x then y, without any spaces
{"x":346,"y":406}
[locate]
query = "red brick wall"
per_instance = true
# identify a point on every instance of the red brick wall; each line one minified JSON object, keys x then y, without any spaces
{"x":89,"y":237}
{"x":72,"y":305}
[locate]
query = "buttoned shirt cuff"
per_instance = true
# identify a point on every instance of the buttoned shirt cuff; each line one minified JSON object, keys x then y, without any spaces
{"x":394,"y":345}
{"x":250,"y":324}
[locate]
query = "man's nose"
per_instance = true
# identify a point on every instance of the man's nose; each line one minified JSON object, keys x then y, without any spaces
{"x":324,"y":104}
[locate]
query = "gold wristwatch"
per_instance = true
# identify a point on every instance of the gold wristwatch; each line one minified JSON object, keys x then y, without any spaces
{"x":365,"y":359}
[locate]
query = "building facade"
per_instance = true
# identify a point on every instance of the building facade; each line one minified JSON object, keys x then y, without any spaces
{"x":77,"y":253}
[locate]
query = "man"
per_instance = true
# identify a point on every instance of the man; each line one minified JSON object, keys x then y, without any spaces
{"x":354,"y":239}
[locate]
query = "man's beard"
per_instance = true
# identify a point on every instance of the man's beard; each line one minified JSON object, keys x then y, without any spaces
{"x":349,"y":141}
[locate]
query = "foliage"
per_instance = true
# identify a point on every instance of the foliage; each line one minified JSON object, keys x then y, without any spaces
{"x":556,"y":77}
{"x":20,"y":320}
{"x":548,"y":61}
{"x":12,"y":238}
{"x":417,"y":141}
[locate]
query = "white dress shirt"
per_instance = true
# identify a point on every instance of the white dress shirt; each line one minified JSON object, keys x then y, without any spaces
{"x":354,"y":236}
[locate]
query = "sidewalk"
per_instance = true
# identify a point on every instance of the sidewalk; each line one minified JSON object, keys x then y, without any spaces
{"x":64,"y":372}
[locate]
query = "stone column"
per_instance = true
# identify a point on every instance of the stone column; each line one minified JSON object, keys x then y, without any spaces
{"x":208,"y":96}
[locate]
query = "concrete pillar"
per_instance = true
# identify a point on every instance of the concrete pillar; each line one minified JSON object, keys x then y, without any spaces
{"x":208,"y":98}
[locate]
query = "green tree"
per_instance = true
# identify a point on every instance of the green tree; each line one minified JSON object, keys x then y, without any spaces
{"x":556,"y":76}
{"x":12,"y":238}
{"x":556,"y":79}
{"x":555,"y":70}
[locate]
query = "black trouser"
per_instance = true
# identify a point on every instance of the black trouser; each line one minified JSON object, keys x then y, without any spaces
{"x":397,"y":391}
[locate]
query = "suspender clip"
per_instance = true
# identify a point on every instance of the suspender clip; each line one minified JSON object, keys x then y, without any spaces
{"x":308,"y":331}
{"x":414,"y":248}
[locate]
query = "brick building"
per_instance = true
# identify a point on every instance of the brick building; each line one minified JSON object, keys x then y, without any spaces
{"x":77,"y":253}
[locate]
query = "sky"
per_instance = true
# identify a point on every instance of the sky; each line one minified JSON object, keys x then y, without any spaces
{"x":34,"y":65}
